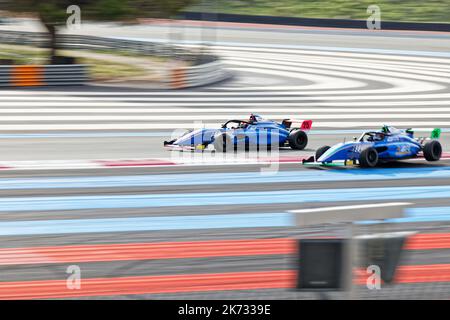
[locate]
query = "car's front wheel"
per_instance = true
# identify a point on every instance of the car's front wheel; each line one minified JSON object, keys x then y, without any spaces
{"x":368,"y":158}
{"x":321,"y":151}
{"x":223,"y":143}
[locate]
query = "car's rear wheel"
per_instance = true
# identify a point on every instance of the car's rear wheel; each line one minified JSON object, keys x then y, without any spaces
{"x":432,"y":150}
{"x":321,"y":151}
{"x":298,"y":140}
{"x":368,"y":158}
{"x":223,"y":143}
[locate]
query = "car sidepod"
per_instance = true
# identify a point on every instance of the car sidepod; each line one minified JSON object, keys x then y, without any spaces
{"x":343,"y":151}
{"x":397,"y":148}
{"x":265,"y":135}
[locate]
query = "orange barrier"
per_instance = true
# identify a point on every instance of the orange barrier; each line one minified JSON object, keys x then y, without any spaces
{"x":42,"y":75}
{"x":27,"y":76}
{"x":178,"y":78}
{"x":196,"y":75}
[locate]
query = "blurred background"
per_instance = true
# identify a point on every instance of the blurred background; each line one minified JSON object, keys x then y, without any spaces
{"x":93,"y":206}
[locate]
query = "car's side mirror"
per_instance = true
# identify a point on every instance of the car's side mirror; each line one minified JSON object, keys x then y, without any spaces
{"x":355,"y":138}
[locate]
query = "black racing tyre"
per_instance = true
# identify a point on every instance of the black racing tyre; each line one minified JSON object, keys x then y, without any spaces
{"x":321,"y":151}
{"x":298,"y":140}
{"x":432,"y":150}
{"x":368,"y":158}
{"x":223,"y":143}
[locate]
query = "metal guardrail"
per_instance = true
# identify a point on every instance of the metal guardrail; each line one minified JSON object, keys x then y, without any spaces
{"x":199,"y":75}
{"x":142,"y":47}
{"x":45,"y":75}
{"x":81,"y":42}
{"x":206,"y":69}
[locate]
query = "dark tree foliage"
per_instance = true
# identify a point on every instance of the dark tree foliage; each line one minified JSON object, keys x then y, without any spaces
{"x":53,"y":13}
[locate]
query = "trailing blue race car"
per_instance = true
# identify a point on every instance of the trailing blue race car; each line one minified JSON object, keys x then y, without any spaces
{"x":375,"y":147}
{"x":256,"y":131}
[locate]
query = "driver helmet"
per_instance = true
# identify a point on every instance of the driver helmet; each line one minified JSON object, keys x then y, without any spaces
{"x":379,"y":137}
{"x":255,"y":118}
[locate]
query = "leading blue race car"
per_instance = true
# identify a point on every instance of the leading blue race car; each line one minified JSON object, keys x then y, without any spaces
{"x":246,"y":133}
{"x":375,"y":147}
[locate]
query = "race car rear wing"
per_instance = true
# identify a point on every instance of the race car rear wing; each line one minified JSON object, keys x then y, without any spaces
{"x":436,"y":133}
{"x":304,"y":125}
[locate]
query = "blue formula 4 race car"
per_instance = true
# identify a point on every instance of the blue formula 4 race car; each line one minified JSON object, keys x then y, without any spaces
{"x":246,"y":133}
{"x":375,"y":147}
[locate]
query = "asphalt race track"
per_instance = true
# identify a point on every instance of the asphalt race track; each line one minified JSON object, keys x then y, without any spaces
{"x":85,"y":181}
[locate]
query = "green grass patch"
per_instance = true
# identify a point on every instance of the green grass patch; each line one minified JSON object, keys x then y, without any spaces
{"x":391,"y":10}
{"x":23,"y":55}
{"x":99,"y":69}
